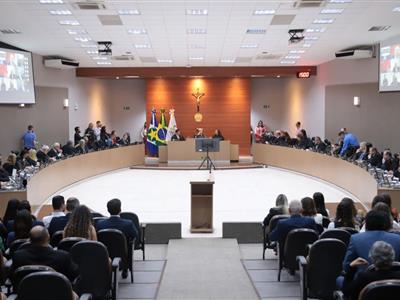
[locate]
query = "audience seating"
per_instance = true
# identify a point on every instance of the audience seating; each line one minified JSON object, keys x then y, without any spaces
{"x":23,"y":271}
{"x":117,"y":246}
{"x":96,"y":215}
{"x":56,"y":238}
{"x":296,"y":244}
{"x":350,"y":230}
{"x":383,"y":289}
{"x":318,"y":273}
{"x":141,"y":228}
{"x":46,"y":286}
{"x":267,"y":244}
{"x":15,"y":246}
{"x":339,"y":234}
{"x":67,"y":243}
{"x":96,"y":277}
{"x":96,"y":219}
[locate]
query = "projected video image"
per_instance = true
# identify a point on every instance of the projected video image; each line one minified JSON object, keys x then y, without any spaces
{"x":390,"y":67}
{"x":14,"y":72}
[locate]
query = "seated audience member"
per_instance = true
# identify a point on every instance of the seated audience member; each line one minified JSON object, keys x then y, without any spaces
{"x":42,"y":155}
{"x":11,"y":164}
{"x":116,"y":222}
{"x":319,"y":201}
{"x":309,"y":210}
{"x":319,"y":145}
{"x":89,"y":133}
{"x":126,"y":139}
{"x":80,"y":224}
{"x":22,"y":226}
{"x":11,"y":211}
{"x":382,"y":256}
{"x":374,"y":157}
{"x":199,"y":133}
{"x":4,"y":176}
{"x":382,"y":206}
{"x":387,"y":162}
{"x":345,"y":215}
{"x":362,"y":152}
{"x":59,"y":223}
{"x":68,"y":149}
{"x":113,"y":138}
{"x":259,"y":132}
{"x":105,"y":136}
{"x":218,"y":135}
{"x":55,"y":152}
{"x":295,"y":221}
{"x":77,"y":135}
{"x":58,"y":204}
{"x":31,"y":159}
{"x":81,"y":147}
{"x":24,"y":205}
{"x":350,"y":144}
{"x":281,"y":208}
{"x":177,"y":136}
{"x":40,"y":253}
{"x":377,"y":224}
{"x":303,"y":141}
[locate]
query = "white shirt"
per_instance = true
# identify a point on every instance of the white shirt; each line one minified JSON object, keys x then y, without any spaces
{"x":47,"y":219}
{"x":96,"y":131}
{"x":318,"y":219}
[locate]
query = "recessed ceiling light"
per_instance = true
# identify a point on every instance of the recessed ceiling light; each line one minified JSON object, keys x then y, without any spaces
{"x":82,"y":39}
{"x":76,"y":31}
{"x":256,"y":31}
{"x":10,"y":31}
{"x":196,"y":58}
{"x":69,"y":22}
{"x":196,"y":31}
{"x":263,"y":12}
{"x":51,"y":1}
{"x":92,"y":52}
{"x":379,"y":28}
{"x":142,"y":46}
{"x":278,"y":76}
{"x":288,"y":62}
{"x":340,"y":1}
{"x":310,"y":38}
{"x":332,"y":10}
{"x":249,"y":46}
{"x":227,"y":61}
{"x":165,"y":61}
{"x":292,"y":57}
{"x":197,"y":12}
{"x":316,"y":30}
{"x":60,"y":12}
{"x":104,"y":63}
{"x":298,"y":51}
{"x":137,"y":31}
{"x":307,"y":45}
{"x":323,"y":21}
{"x":128,"y":12}
{"x":396,"y":9}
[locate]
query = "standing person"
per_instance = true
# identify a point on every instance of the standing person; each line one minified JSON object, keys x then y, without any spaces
{"x":29,"y":138}
{"x":77,"y":135}
{"x":298,"y":127}
{"x":350,"y":143}
{"x":97,"y":130}
{"x":143,"y":133}
{"x":89,"y":133}
{"x":260,"y":131}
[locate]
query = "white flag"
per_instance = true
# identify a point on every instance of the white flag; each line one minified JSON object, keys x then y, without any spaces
{"x":172,"y":124}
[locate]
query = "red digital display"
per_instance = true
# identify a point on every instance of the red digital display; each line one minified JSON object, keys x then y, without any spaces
{"x":303,"y":74}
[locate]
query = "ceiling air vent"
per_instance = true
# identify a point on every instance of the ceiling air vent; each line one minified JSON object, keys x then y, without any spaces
{"x":89,"y":4}
{"x":268,"y":56}
{"x":123,"y":58}
{"x":242,"y":60}
{"x":308,"y":3}
{"x":148,"y":59}
{"x":10,"y":31}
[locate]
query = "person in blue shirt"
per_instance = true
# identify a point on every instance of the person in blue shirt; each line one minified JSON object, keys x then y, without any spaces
{"x":29,"y":138}
{"x":349,"y":141}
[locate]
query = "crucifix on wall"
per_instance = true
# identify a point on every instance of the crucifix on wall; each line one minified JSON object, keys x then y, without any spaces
{"x":198,"y":117}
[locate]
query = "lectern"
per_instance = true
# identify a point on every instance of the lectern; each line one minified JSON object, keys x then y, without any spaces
{"x":201,"y":206}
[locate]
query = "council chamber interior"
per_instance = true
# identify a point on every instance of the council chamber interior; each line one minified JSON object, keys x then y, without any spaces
{"x":175,"y":149}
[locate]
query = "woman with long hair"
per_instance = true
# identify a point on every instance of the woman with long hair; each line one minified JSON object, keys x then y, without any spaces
{"x":281,"y":208}
{"x":345,"y":215}
{"x":11,"y":211}
{"x":80,"y":224}
{"x":309,"y":210}
{"x":22,"y":226}
{"x":319,"y":202}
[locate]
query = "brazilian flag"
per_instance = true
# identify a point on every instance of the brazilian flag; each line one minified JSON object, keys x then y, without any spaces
{"x":152,"y":145}
{"x":162,"y":129}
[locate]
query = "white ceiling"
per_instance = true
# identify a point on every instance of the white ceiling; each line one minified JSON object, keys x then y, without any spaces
{"x":167,"y":26}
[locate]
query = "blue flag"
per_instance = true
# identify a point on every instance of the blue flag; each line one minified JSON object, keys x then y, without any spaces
{"x":152,"y":135}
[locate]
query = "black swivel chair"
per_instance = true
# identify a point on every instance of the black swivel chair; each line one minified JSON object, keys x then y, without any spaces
{"x":56,"y":238}
{"x":117,"y":246}
{"x":46,"y":286}
{"x":267,"y":244}
{"x":141,"y":228}
{"x":67,"y":243}
{"x":350,"y":230}
{"x":15,"y":246}
{"x":95,"y":276}
{"x":382,"y":289}
{"x":339,"y":234}
{"x":318,"y":273}
{"x":296,"y":244}
{"x":23,"y":271}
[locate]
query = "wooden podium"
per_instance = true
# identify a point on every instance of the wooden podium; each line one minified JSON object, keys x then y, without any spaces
{"x":201,"y":207}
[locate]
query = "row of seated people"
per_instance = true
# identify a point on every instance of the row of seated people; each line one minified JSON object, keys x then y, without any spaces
{"x":375,"y":239}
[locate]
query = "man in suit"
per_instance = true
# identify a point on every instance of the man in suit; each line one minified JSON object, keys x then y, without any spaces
{"x":59,"y":223}
{"x":116,"y":222}
{"x":40,"y":253}
{"x":294,"y":222}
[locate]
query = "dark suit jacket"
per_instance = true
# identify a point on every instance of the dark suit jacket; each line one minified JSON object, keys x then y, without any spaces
{"x":58,"y":223}
{"x":361,"y":243}
{"x":116,"y":222}
{"x":57,"y":259}
{"x":42,"y":157}
{"x":285,"y":226}
{"x":353,"y":287}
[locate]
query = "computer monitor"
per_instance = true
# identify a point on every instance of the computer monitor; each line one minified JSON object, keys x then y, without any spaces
{"x":206,"y":144}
